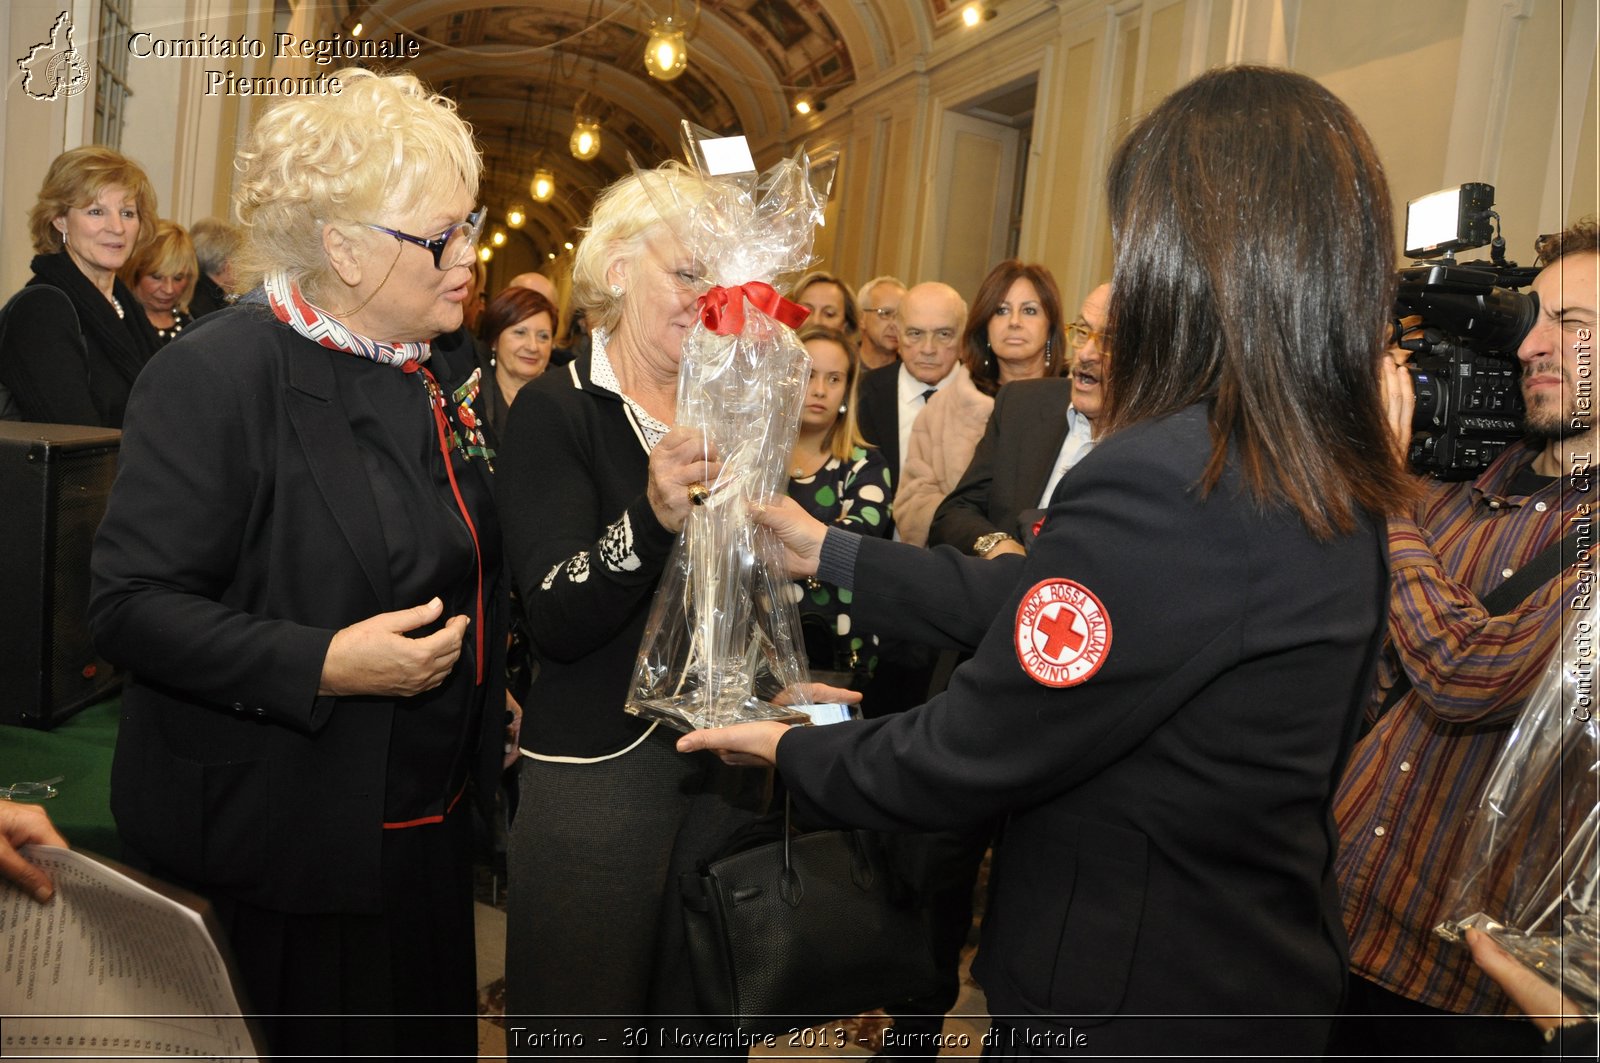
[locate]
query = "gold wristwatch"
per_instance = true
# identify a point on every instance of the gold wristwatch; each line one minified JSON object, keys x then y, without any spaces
{"x":984,"y":543}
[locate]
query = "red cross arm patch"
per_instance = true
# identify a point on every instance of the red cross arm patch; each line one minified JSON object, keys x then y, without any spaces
{"x":1063,"y":633}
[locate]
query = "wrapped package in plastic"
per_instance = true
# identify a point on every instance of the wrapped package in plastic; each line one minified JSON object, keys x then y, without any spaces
{"x":721,"y":644}
{"x":1528,"y":872}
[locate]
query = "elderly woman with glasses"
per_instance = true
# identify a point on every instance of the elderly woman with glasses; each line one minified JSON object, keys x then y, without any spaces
{"x":300,"y":571}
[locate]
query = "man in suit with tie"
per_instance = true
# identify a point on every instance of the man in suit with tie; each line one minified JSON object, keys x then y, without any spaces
{"x":1039,"y":429}
{"x":931,"y":318}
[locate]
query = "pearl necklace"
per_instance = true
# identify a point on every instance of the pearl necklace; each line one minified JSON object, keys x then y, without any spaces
{"x":116,"y":306}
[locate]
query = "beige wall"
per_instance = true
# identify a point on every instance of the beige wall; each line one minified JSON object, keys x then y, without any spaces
{"x":1502,"y":91}
{"x":183,"y":138}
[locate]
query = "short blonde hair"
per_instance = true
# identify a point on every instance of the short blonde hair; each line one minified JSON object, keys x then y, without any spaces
{"x":169,"y":251}
{"x":383,"y":141}
{"x":625,"y":216}
{"x":75,"y":179}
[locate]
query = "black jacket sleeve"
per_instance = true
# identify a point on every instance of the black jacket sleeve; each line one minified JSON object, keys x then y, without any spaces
{"x":167,"y":555}
{"x":42,"y":358}
{"x":581,"y":571}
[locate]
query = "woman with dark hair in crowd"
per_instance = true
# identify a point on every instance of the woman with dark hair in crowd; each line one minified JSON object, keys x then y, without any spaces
{"x":161,"y":275}
{"x":838,"y":479}
{"x":1165,"y":687}
{"x":75,"y":337}
{"x":1014,"y":331}
{"x":518,"y":330}
{"x":300,"y":570}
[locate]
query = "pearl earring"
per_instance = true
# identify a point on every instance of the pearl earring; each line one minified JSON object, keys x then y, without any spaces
{"x":843,"y":407}
{"x":616,"y":290}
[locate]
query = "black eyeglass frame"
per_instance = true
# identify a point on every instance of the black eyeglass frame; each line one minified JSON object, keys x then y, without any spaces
{"x":436,"y":244}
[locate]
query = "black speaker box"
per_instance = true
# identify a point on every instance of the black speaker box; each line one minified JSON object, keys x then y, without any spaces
{"x":54,"y":483}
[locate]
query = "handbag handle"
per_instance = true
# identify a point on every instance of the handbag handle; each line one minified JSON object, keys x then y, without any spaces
{"x":790,"y":885}
{"x":790,"y":888}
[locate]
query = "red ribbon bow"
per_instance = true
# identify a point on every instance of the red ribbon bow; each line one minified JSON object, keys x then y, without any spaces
{"x":722,"y":309}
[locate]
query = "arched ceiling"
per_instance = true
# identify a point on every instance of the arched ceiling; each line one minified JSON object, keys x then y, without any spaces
{"x":518,"y":68}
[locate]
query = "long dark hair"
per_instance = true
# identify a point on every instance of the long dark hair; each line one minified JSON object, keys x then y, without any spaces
{"x":1255,"y":271}
{"x":975,"y":352}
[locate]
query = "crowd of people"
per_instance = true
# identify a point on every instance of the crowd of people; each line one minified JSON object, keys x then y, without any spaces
{"x":1119,"y":594}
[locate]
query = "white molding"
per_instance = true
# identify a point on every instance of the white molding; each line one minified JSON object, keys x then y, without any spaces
{"x":1577,"y":69}
{"x":1483,"y":90}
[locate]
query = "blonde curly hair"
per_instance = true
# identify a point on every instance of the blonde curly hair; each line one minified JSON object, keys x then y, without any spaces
{"x":625,"y":217}
{"x":384,"y":141}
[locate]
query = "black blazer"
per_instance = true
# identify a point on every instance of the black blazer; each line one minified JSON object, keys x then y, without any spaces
{"x":243,"y":531}
{"x":208,"y":296}
{"x":878,"y":415}
{"x":65,"y":354}
{"x":1168,"y":848}
{"x":1009,"y":469}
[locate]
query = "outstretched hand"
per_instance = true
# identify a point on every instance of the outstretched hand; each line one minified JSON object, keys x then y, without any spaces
{"x":743,"y":743}
{"x":800,"y":533}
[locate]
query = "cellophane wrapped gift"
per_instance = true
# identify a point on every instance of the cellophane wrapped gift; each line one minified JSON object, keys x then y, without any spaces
{"x":1528,"y":872}
{"x":721,"y":644}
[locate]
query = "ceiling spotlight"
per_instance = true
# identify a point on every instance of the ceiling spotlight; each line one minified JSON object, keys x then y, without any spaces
{"x":668,"y":52}
{"x":355,"y":31}
{"x":975,"y":13}
{"x":498,"y":237}
{"x":567,"y":245}
{"x":802,"y":106}
{"x":485,"y":254}
{"x":585,"y":143}
{"x":552,"y":254}
{"x":516,"y":216}
{"x":543,"y":185}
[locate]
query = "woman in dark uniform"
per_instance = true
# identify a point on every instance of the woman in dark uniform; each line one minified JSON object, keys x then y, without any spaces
{"x":1165,"y":688}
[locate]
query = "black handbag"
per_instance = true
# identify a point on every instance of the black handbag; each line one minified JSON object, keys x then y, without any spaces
{"x":801,"y":929}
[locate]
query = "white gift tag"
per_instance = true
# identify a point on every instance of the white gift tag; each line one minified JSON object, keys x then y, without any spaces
{"x":727,"y":155}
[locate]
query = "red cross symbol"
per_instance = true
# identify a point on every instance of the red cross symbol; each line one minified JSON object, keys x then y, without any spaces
{"x":1059,"y":633}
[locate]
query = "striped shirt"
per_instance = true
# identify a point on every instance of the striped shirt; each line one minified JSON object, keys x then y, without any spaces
{"x":1404,"y":803}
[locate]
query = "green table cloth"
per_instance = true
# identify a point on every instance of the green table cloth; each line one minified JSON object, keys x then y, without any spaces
{"x":78,"y":750}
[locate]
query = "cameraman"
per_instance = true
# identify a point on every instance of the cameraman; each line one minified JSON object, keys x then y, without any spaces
{"x":1413,"y":781}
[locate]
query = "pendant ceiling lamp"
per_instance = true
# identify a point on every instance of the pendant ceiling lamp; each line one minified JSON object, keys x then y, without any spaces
{"x":667,"y":54}
{"x":543,"y":185}
{"x":585,"y":143}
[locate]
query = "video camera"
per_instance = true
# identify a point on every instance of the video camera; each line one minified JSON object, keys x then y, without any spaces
{"x":1464,"y":368}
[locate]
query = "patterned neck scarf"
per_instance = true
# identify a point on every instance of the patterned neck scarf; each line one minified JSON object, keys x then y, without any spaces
{"x":291,"y":307}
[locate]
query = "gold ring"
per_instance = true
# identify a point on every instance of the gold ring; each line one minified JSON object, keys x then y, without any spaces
{"x":698,"y":493}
